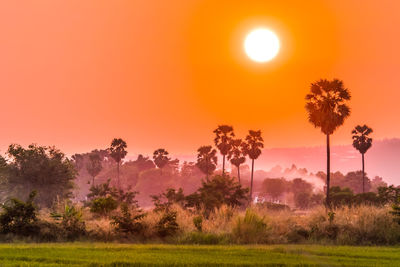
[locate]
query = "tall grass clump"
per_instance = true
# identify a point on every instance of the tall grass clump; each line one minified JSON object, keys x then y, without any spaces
{"x":251,"y":228}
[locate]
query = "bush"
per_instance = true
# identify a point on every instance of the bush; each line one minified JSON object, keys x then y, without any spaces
{"x":198,"y":223}
{"x":103,"y":205}
{"x":71,"y":223}
{"x":127,"y":223}
{"x":250,"y":229}
{"x":19,"y":217}
{"x":167,"y":225}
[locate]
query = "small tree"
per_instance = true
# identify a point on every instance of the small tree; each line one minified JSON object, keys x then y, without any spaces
{"x":223,"y":141}
{"x":237,"y":155}
{"x":362,"y":143}
{"x":129,"y":222}
{"x":206,"y":160}
{"x":94,"y":166}
{"x":19,"y":217}
{"x":252,"y":147}
{"x":118,"y":152}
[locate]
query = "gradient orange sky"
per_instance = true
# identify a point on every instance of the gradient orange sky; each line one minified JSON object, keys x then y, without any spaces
{"x":160,"y":73}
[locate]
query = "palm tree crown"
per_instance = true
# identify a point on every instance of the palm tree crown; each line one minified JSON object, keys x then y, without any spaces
{"x":160,"y":157}
{"x":223,"y":141}
{"x":326,"y":105}
{"x":361,"y":141}
{"x":237,"y":154}
{"x":206,"y":159}
{"x":253,"y":145}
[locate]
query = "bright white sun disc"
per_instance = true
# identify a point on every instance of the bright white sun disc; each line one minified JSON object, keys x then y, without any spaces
{"x":261,"y":45}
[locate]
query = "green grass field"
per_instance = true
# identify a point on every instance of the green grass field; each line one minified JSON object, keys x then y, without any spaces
{"x":87,"y":254}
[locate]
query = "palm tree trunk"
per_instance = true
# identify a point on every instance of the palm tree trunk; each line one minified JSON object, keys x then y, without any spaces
{"x":118,"y":176}
{"x":251,"y":182}
{"x":223,"y":165}
{"x":328,"y":171}
{"x":363,"y":173}
{"x":238,"y":173}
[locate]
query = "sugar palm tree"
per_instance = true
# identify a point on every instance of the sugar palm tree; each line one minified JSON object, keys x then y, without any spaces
{"x":206,"y":159}
{"x":160,"y":157}
{"x":327,"y":109}
{"x":362,"y":143}
{"x":94,"y":165}
{"x":252,"y":147}
{"x":237,"y":155}
{"x":118,"y":152}
{"x":223,"y":138}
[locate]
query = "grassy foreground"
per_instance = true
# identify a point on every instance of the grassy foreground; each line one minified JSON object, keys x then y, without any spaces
{"x":88,"y":254}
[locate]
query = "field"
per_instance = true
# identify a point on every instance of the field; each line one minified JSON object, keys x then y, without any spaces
{"x":99,"y":254}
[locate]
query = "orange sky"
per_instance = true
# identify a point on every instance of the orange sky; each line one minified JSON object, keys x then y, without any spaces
{"x":165,"y":73}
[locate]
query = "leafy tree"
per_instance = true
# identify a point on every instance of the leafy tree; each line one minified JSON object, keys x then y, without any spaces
{"x":40,"y":168}
{"x":206,"y":160}
{"x":223,"y":141}
{"x":118,"y":152}
{"x":160,"y":157}
{"x":237,"y":155}
{"x":362,"y":143}
{"x":327,"y":109}
{"x":19,"y":217}
{"x":389,"y":194}
{"x":274,"y":187}
{"x":252,"y":148}
{"x":94,"y":166}
{"x":219,"y":190}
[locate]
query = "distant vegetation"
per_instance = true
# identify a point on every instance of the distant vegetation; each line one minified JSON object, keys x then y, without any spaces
{"x":101,"y":196}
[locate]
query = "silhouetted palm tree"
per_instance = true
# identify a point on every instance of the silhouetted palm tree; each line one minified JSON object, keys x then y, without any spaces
{"x":118,"y":152}
{"x":223,"y":139}
{"x":327,"y":109}
{"x":362,"y":143}
{"x":206,"y":160}
{"x":237,"y":155}
{"x":160,"y":157}
{"x":252,"y":148}
{"x":94,"y":165}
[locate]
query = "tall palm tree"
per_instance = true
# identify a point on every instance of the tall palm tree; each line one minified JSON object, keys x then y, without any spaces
{"x":94,"y":165}
{"x":118,"y":152}
{"x":223,"y":138}
{"x":362,"y":143}
{"x":237,"y":155}
{"x":206,"y":160}
{"x":160,"y":157}
{"x":253,"y":145}
{"x":327,"y":109}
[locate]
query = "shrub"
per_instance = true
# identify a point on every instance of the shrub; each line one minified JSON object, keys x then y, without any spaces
{"x":250,"y":229}
{"x":103,"y":206}
{"x":71,"y":222}
{"x":167,"y":225}
{"x":19,"y":217}
{"x":127,"y":222}
{"x":198,"y":223}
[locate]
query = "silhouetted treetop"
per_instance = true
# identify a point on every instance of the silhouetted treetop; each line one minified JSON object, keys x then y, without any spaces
{"x":326,"y":104}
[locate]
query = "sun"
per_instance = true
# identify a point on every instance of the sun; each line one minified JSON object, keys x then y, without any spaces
{"x":261,"y":45}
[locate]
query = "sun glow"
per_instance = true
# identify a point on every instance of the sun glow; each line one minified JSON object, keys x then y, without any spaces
{"x":261,"y":45}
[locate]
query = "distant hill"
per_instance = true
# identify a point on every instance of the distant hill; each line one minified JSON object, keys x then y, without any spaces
{"x":381,"y":160}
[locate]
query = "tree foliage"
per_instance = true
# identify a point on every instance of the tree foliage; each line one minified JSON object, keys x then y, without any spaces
{"x":206,"y":159}
{"x":40,"y":168}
